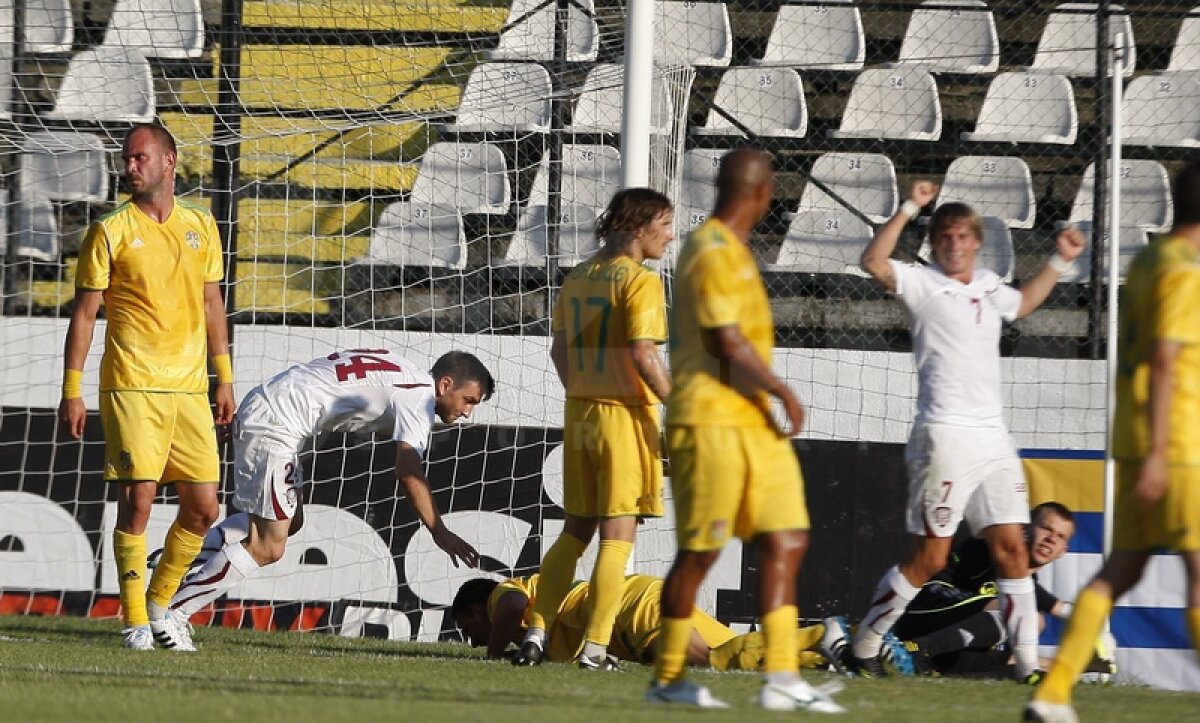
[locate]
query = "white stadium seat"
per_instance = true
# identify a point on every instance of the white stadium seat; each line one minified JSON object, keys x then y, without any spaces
{"x":470,"y":177}
{"x":1145,"y":196}
{"x":865,"y":181}
{"x":6,"y":60}
{"x":504,"y":97}
{"x":823,"y":242}
{"x":598,"y":109}
{"x":1068,"y":42}
{"x":998,"y":186}
{"x":692,"y":32}
{"x":697,"y":187}
{"x":419,"y":235}
{"x":996,"y":254}
{"x":1132,"y":239}
{"x":158,"y":28}
{"x":1162,"y":110}
{"x":894,"y":103}
{"x":949,"y":36}
{"x":533,"y":38}
{"x":768,"y":101}
{"x":106,"y":84}
{"x":1027,"y":108}
{"x":64,"y":166}
{"x":1185,"y":54}
{"x":37,"y":229}
{"x":49,"y":26}
{"x":828,"y":36}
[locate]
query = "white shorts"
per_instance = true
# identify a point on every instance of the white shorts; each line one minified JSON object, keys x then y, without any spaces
{"x":267,"y":475}
{"x":958,"y":472}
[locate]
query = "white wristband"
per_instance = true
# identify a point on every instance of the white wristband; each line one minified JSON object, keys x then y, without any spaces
{"x":1060,"y":265}
{"x":910,"y":208}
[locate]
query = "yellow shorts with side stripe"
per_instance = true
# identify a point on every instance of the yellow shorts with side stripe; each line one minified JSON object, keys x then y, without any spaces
{"x":1173,"y":523}
{"x":612,"y":460}
{"x":158,"y":437}
{"x":727,"y":481}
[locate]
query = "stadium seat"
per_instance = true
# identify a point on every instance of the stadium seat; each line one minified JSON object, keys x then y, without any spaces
{"x":1145,"y":196}
{"x":64,"y":166}
{"x":469,"y":177}
{"x":996,"y":253}
{"x":49,"y":26}
{"x":828,"y":36}
{"x":768,"y":101}
{"x":106,"y":84}
{"x":996,"y":186}
{"x":37,"y":229}
{"x":158,"y":28}
{"x":697,"y":187}
{"x":1027,"y":108}
{"x":1185,"y":54}
{"x":823,"y":242}
{"x":689,"y":32}
{"x":946,"y":36}
{"x":504,"y":97}
{"x":1162,"y":110}
{"x":6,"y":61}
{"x":865,"y":181}
{"x":1068,"y":42}
{"x":533,"y":37}
{"x":415,"y":234}
{"x":894,"y":103}
{"x":1132,"y":239}
{"x":598,"y":109}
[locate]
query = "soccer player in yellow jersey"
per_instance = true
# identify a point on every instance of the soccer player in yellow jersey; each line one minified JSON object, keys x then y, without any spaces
{"x":607,"y":324}
{"x":1157,"y":505}
{"x":154,"y":262}
{"x":733,"y":471}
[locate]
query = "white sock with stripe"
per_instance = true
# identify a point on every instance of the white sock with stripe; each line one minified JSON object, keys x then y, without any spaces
{"x":222,"y":572}
{"x":1018,"y":610}
{"x":891,"y":599}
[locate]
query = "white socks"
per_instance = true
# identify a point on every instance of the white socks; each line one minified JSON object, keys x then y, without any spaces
{"x":221,"y":573}
{"x":234,"y":528}
{"x":892,"y":596}
{"x":1018,"y":610}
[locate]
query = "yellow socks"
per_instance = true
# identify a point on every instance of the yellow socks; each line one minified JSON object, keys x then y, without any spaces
{"x":672,"y":650}
{"x":130,"y":553}
{"x":555,"y":578}
{"x":1192,"y":615}
{"x":1076,"y":647}
{"x":179,"y":551}
{"x":779,"y":627}
{"x":606,"y":589}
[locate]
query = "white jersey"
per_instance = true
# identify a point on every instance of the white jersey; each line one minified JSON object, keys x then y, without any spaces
{"x":956,"y":342}
{"x":357,"y":390}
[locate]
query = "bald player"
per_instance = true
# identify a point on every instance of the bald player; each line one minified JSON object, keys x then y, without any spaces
{"x":733,"y":469}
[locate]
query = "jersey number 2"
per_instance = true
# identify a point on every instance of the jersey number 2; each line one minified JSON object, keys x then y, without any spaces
{"x":360,"y":362}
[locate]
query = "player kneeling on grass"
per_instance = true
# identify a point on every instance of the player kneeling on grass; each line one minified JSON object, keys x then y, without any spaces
{"x":496,"y":615}
{"x":355,"y":391}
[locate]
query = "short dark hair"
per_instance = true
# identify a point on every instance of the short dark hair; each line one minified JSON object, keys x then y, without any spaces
{"x":1186,"y":195}
{"x":161,"y":134}
{"x":475,"y":591}
{"x":463,"y":367}
{"x":1057,"y":508}
{"x":951,"y":213}
{"x":629,"y":211}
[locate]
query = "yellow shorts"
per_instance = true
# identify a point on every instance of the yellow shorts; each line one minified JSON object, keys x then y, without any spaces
{"x":158,"y":437}
{"x":727,"y":481}
{"x":612,"y":460}
{"x":640,"y":620}
{"x":1173,"y":523}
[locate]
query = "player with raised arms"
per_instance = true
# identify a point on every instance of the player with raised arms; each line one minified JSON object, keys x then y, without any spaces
{"x":353,"y":391}
{"x":961,"y":462}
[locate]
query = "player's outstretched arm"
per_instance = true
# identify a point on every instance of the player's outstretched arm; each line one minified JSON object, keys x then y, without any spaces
{"x":1071,"y":243}
{"x":71,"y":410}
{"x":506,"y":623}
{"x":876,"y":257}
{"x":749,"y":374}
{"x":650,"y":366}
{"x":408,"y":473}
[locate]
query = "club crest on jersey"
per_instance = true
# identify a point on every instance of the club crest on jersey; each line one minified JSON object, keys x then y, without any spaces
{"x":941,"y":515}
{"x":193,"y":240}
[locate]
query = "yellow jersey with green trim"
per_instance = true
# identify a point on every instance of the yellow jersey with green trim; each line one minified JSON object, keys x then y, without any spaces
{"x":1161,"y":301}
{"x":605,"y":303}
{"x":153,"y":276}
{"x":716,"y":284}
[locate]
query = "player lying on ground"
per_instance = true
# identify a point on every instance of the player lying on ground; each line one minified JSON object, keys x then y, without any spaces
{"x":495,"y":614}
{"x":355,"y":391}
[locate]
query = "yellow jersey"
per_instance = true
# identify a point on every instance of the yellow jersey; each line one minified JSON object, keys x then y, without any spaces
{"x":716,"y":284}
{"x":1161,"y":300}
{"x":152,"y":275}
{"x":605,"y":303}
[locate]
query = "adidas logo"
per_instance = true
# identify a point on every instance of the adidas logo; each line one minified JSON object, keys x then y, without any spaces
{"x":131,"y":575}
{"x":137,"y":243}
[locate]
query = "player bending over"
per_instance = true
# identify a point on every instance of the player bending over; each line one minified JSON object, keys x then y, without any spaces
{"x":354,"y":391}
{"x":496,"y":614}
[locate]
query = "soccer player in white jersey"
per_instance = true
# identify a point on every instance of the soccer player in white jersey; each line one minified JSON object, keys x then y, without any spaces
{"x":353,"y":391}
{"x":961,"y":462}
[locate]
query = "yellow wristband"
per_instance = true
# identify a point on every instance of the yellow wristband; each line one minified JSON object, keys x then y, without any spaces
{"x":72,"y":387}
{"x":224,"y":368}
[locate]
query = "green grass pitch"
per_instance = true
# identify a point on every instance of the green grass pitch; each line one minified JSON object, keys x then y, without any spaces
{"x":72,"y":669}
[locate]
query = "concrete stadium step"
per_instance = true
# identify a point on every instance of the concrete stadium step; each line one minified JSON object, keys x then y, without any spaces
{"x":271,"y":288}
{"x":302,"y":216}
{"x":408,"y":15}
